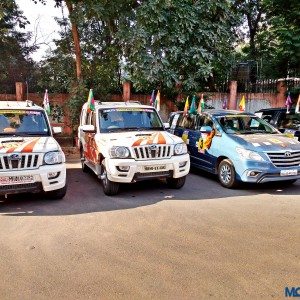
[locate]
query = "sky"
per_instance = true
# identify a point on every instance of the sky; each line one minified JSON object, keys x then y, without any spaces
{"x":42,"y":24}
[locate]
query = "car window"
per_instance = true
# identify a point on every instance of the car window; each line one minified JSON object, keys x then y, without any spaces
{"x":173,"y":121}
{"x":291,"y":121}
{"x":187,"y":122}
{"x":268,"y":115}
{"x":93,"y":119}
{"x":23,"y":122}
{"x":244,"y":124}
{"x":123,"y":119}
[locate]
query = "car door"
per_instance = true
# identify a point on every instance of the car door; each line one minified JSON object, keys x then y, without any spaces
{"x":199,"y":144}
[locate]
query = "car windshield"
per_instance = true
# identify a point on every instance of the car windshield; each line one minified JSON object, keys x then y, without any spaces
{"x":290,"y":121}
{"x":23,"y":122}
{"x":124,"y":119}
{"x":244,"y":124}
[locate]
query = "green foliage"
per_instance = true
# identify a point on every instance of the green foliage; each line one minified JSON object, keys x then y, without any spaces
{"x":275,"y":29}
{"x":79,"y":95}
{"x":15,"y":64}
{"x":169,"y":42}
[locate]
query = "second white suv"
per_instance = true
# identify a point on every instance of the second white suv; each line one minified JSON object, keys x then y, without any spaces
{"x":124,"y":142}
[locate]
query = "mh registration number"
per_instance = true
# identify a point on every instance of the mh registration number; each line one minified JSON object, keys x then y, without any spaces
{"x":288,"y":172}
{"x":155,"y":168}
{"x":7,"y":180}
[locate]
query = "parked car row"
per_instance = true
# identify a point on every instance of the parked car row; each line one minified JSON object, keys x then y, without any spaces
{"x":125,"y":142}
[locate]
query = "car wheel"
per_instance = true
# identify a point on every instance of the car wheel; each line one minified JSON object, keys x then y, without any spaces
{"x":226,"y":174}
{"x":176,"y":183}
{"x":57,"y":194}
{"x":84,"y":167}
{"x":110,"y":188}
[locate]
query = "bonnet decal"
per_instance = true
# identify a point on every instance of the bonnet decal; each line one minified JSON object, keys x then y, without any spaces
{"x":29,"y":147}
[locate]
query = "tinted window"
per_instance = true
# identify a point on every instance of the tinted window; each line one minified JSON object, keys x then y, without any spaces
{"x":122,"y":119}
{"x":244,"y":124}
{"x":23,"y":122}
{"x":291,"y":121}
{"x":187,"y":121}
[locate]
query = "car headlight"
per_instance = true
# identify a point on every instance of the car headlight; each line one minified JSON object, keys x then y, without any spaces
{"x":53,"y":157}
{"x":180,"y":149}
{"x":248,"y":154}
{"x":119,"y":152}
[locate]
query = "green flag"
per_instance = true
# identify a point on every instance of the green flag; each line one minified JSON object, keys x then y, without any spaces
{"x":193,"y":109}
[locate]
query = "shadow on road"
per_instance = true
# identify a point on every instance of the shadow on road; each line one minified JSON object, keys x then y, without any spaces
{"x":85,"y":195}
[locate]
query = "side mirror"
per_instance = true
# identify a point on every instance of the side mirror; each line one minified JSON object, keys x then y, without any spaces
{"x":56,"y":130}
{"x":206,"y":129}
{"x":88,"y":128}
{"x":167,"y":125}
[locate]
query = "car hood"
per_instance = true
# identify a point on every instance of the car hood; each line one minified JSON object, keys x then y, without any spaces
{"x":139,"y":138}
{"x":291,"y":132}
{"x":28,"y":144}
{"x":266,"y":142}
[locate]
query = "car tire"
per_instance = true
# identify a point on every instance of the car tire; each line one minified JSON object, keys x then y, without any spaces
{"x":176,"y":183}
{"x":110,"y":188}
{"x":227,"y":174}
{"x":57,"y":194}
{"x":84,"y":167}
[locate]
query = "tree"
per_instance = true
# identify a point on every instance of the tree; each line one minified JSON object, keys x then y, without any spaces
{"x":180,"y":41}
{"x":15,"y":64}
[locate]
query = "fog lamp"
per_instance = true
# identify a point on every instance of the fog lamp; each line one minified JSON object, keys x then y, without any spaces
{"x":53,"y":175}
{"x":123,"y":168}
{"x":182,"y":164}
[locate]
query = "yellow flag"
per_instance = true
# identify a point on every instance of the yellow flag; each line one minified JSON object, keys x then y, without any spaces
{"x":186,"y":106}
{"x":242,"y":104}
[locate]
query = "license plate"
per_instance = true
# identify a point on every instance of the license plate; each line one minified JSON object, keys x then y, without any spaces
{"x":155,"y":168}
{"x":7,"y":180}
{"x":288,"y":172}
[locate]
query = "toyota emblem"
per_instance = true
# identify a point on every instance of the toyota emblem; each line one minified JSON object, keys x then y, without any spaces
{"x":287,"y":154}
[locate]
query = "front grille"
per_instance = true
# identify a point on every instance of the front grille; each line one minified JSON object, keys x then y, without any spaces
{"x":146,"y":152}
{"x":24,"y":161}
{"x":19,"y":188}
{"x":151,"y":175}
{"x":285,"y":158}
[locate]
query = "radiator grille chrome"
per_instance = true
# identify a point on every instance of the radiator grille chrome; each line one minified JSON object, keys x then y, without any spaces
{"x":147,"y":152}
{"x":20,"y":161}
{"x":285,"y":158}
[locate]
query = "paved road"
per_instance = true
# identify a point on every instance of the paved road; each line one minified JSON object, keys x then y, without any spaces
{"x":202,"y":241}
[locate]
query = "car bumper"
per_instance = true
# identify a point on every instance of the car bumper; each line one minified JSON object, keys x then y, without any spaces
{"x":177,"y":166}
{"x":261,"y":172}
{"x":41,"y":181}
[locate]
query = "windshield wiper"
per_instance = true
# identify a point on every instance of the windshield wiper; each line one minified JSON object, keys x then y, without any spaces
{"x":32,"y":134}
{"x":7,"y":134}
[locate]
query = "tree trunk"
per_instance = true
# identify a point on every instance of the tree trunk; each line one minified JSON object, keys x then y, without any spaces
{"x":76,"y":40}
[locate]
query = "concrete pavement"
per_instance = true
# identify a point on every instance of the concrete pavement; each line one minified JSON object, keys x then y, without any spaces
{"x":202,"y":241}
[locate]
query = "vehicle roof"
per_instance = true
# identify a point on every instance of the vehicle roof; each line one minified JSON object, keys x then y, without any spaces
{"x":102,"y":105}
{"x":274,"y":109}
{"x":19,"y":105}
{"x":222,"y":112}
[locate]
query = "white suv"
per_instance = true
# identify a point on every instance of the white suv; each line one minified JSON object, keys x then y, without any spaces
{"x":30,"y":158}
{"x":124,"y":142}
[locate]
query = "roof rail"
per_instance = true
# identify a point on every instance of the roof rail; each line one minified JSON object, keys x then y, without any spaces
{"x":131,"y":101}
